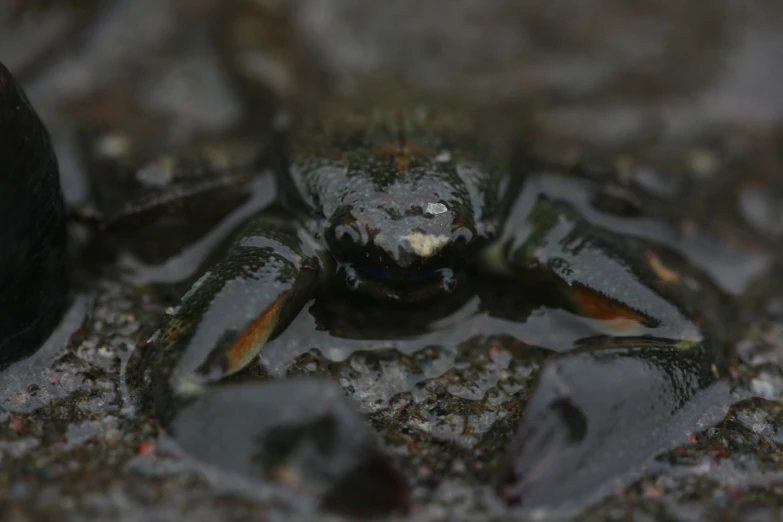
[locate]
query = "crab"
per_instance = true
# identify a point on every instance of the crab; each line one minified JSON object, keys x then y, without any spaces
{"x":398,"y":203}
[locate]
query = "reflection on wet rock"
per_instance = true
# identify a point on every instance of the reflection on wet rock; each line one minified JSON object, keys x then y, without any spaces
{"x":32,"y":32}
{"x":156,"y":199}
{"x":762,"y":210}
{"x":298,"y":432}
{"x":33,"y":280}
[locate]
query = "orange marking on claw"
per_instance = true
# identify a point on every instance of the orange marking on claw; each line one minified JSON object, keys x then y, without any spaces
{"x":598,"y":307}
{"x":257,"y":333}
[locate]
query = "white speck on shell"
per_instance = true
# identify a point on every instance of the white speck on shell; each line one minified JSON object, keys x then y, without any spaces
{"x":425,"y":245}
{"x":435,"y":208}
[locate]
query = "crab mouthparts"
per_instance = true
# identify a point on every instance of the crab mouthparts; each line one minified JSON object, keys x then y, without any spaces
{"x":357,"y":276}
{"x":425,"y":245}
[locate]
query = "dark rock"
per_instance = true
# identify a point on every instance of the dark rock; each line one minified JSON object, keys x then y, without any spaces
{"x":33,"y":276}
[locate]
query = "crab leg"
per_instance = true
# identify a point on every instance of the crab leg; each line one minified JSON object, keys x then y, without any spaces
{"x":636,"y":388}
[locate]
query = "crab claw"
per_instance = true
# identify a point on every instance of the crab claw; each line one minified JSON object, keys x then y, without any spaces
{"x":598,"y":417}
{"x":224,"y":320}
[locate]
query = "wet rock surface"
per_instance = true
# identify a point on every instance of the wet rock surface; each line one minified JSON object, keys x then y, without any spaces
{"x":601,"y":85}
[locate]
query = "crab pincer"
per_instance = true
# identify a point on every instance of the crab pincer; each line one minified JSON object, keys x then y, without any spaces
{"x":302,"y":432}
{"x":601,"y":411}
{"x":223,"y":321}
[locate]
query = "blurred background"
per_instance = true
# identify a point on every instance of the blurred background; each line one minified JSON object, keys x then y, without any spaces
{"x":681,"y":85}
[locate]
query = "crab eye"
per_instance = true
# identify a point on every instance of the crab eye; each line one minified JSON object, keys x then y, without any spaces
{"x":344,"y":237}
{"x":461,"y":236}
{"x":347,"y":235}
